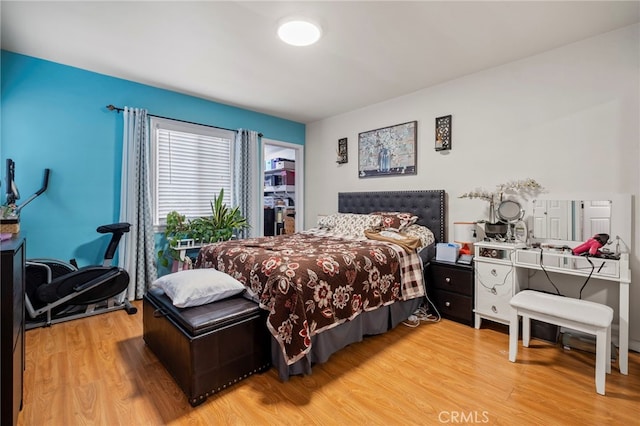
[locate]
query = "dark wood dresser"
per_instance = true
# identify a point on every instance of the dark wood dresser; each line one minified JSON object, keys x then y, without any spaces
{"x":11,"y":328}
{"x":450,"y":287}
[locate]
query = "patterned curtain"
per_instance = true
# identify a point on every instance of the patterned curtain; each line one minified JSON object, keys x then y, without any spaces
{"x":246,"y":180}
{"x":137,"y":250}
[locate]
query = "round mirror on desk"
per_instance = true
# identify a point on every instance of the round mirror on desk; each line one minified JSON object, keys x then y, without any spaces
{"x":511,"y":213}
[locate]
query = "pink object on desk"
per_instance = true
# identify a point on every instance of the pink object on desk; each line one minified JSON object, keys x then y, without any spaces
{"x":592,"y":244}
{"x":5,"y":237}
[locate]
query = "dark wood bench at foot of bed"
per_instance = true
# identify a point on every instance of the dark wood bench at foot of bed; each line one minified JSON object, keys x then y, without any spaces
{"x":207,"y":348}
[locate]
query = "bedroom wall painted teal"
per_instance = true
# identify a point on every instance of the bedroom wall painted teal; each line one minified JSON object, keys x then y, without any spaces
{"x":54,"y":116}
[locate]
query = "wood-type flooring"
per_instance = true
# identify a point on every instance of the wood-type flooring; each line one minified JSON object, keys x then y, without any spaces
{"x":98,"y":371}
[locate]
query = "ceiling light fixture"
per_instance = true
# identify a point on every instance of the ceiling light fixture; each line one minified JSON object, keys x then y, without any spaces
{"x":299,"y":32}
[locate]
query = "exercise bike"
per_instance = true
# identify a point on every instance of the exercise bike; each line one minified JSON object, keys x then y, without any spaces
{"x":58,"y":291}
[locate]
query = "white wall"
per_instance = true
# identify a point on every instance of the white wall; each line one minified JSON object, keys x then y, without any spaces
{"x":568,"y":118}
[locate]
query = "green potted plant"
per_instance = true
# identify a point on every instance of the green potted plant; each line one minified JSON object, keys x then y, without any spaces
{"x":221,"y":225}
{"x":177,"y":229}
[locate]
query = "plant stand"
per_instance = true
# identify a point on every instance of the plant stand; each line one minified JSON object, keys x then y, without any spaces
{"x":184,"y":262}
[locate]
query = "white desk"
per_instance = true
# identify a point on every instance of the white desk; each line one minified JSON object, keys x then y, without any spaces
{"x":516,"y":259}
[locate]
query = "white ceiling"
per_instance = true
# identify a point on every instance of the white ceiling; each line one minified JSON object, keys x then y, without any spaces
{"x":227,"y":51}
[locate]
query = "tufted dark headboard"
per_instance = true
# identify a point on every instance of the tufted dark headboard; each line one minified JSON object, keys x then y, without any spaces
{"x":428,"y":205}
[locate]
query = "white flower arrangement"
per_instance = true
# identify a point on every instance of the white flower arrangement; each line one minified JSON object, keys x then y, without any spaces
{"x":523,"y":187}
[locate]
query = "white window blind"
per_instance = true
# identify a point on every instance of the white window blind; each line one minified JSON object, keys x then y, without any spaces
{"x":191,"y":164}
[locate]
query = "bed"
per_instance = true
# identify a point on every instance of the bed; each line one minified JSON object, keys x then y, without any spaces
{"x":356,"y":287}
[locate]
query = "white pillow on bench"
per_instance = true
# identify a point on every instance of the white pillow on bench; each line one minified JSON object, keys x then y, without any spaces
{"x":195,"y":287}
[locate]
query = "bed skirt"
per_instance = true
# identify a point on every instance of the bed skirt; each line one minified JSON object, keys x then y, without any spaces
{"x":324,"y":344}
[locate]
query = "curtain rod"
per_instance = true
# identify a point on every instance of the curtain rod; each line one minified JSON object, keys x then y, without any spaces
{"x":118,"y":109}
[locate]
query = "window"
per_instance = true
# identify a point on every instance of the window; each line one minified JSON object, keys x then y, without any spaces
{"x":191,"y":163}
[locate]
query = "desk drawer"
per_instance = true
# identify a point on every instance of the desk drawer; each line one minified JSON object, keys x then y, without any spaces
{"x":494,"y":304}
{"x":600,"y":266}
{"x":450,"y":279}
{"x":494,"y":275}
{"x":494,"y":289}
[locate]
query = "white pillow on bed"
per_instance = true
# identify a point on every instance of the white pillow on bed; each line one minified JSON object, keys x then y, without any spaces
{"x":194,"y":287}
{"x":353,"y":224}
{"x":327,"y":221}
{"x":422,"y":232}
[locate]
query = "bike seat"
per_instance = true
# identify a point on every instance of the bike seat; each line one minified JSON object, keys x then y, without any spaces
{"x":114,"y":227}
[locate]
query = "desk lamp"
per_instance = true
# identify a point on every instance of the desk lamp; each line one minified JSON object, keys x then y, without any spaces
{"x":464,"y":233}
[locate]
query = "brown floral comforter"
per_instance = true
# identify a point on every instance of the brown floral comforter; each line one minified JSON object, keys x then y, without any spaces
{"x":310,"y":283}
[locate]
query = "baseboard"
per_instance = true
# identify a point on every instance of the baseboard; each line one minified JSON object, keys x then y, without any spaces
{"x":634,"y":345}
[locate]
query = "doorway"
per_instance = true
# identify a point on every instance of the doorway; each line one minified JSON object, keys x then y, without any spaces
{"x":283,"y":183}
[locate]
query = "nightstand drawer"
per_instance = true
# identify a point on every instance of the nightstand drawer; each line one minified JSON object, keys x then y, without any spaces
{"x":454,"y":306}
{"x":450,"y":279}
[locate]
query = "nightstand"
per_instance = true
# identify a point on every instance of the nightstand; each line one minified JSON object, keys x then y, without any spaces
{"x":450,"y":286}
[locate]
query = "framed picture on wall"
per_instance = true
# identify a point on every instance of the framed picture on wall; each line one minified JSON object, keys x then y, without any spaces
{"x":343,"y":156}
{"x":388,"y":151}
{"x":443,"y":133}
